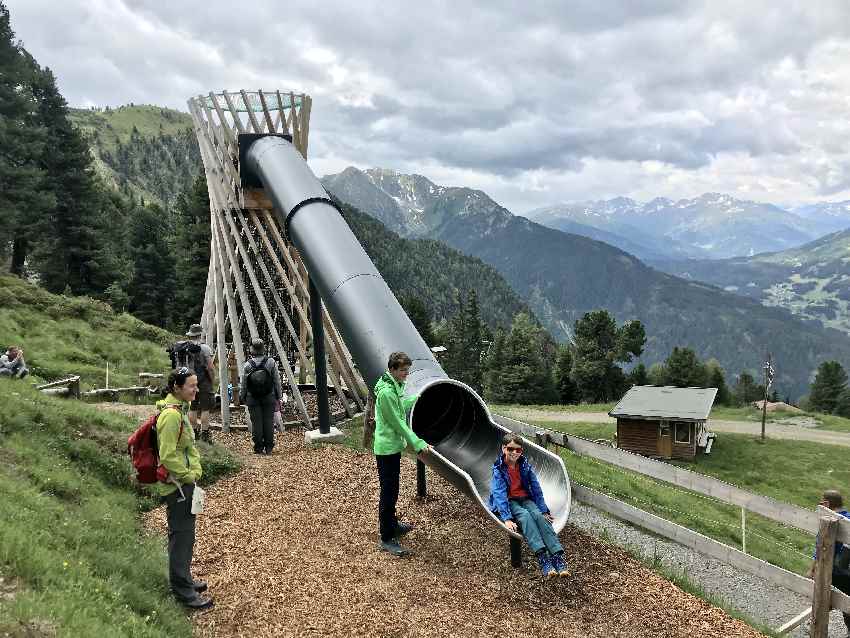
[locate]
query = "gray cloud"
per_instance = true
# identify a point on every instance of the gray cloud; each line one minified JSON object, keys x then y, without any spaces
{"x":528,"y":101}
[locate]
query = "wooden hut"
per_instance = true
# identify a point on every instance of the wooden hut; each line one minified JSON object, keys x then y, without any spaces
{"x":665,"y":422}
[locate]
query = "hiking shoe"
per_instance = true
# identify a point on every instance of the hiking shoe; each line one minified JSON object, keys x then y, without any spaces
{"x":394,"y":548}
{"x":402,"y":528}
{"x":199,"y":586}
{"x":545,"y":565}
{"x":559,"y":565}
{"x":198,"y":602}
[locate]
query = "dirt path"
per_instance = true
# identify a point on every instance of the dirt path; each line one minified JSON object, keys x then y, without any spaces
{"x":289,"y":547}
{"x":774,"y":430}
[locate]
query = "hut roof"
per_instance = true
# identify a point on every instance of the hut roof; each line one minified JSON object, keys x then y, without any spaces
{"x":666,"y":402}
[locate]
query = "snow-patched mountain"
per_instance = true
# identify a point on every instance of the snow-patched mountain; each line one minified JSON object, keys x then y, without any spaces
{"x":711,"y":226}
{"x":826,"y":217}
{"x":563,"y":275}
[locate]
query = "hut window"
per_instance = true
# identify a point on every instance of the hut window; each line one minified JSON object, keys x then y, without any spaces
{"x":683,"y":433}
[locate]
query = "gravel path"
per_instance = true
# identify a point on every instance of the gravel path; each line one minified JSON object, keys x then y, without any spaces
{"x":759,"y":599}
{"x":774,"y":430}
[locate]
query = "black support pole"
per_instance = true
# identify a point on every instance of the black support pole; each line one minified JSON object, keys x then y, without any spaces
{"x":421,"y":487}
{"x":319,"y":361}
{"x":516,"y":552}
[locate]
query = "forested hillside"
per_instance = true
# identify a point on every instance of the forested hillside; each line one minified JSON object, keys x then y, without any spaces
{"x":147,"y":151}
{"x":432,"y":272}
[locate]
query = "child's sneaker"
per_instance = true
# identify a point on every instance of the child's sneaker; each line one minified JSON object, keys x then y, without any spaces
{"x":559,"y":565}
{"x":545,"y":564}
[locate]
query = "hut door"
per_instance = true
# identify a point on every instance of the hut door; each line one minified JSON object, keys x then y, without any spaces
{"x":665,"y":440}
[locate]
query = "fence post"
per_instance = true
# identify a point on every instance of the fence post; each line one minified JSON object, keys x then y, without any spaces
{"x":516,"y":552}
{"x":744,"y":530}
{"x":821,"y":604}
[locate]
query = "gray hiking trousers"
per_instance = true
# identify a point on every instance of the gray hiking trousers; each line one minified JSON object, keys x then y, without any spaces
{"x":181,"y":543}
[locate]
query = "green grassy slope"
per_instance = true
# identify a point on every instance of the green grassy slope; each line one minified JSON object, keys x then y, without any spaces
{"x":75,"y":335}
{"x":116,"y":125}
{"x":73,"y":559}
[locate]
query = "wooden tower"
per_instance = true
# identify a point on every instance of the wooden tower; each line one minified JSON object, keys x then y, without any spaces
{"x":257,"y":285}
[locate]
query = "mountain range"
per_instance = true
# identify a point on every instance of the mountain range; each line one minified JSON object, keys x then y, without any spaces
{"x":563,"y":275}
{"x":811,"y":281}
{"x":711,"y":226}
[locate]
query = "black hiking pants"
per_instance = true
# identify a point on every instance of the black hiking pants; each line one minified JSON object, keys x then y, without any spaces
{"x":262,"y":423}
{"x":389,"y":468}
{"x":181,"y":543}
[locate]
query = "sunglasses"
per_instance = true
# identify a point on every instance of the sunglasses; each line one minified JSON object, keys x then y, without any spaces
{"x":183,"y":371}
{"x":517,"y":450}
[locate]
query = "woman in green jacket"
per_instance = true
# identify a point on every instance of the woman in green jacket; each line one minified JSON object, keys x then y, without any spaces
{"x":392,"y":435}
{"x":178,"y":454}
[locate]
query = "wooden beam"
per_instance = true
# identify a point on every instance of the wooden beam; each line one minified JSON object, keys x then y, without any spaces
{"x":706,"y":545}
{"x":221,"y":349}
{"x":293,"y":294}
{"x":256,"y":198}
{"x":821,"y":603}
{"x":306,"y":107}
{"x":284,"y":126}
{"x":795,"y":622}
{"x":222,"y":118}
{"x":296,"y":128}
{"x":258,"y":295}
{"x":237,"y":121}
{"x":251,"y":116}
{"x":268,"y":115}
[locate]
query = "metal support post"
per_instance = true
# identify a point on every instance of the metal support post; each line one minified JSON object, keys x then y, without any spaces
{"x":319,"y":361}
{"x":516,"y":552}
{"x":421,"y":487}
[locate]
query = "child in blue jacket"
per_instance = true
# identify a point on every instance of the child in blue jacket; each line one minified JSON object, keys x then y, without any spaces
{"x":516,"y":498}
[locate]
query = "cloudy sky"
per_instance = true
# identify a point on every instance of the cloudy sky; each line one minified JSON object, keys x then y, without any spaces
{"x":571,"y":100}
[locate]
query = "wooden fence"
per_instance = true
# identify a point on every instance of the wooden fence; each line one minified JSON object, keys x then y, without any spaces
{"x":787,"y":514}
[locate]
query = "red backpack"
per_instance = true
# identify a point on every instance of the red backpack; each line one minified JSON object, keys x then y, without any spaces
{"x":144,"y":450}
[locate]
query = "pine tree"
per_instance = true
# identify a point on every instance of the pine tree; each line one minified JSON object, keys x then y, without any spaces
{"x":842,"y":405}
{"x":24,"y":196}
{"x":525,"y":377}
{"x":639,"y":375}
{"x":746,"y":391}
{"x":419,"y":314}
{"x":566,"y":387}
{"x":656,"y":374}
{"x":192,"y":238}
{"x":717,"y":379}
{"x":473,"y":343}
{"x":599,"y":345}
{"x":493,"y":386}
{"x":153,"y":268}
{"x":830,"y":381}
{"x":75,"y":249}
{"x":684,"y":369}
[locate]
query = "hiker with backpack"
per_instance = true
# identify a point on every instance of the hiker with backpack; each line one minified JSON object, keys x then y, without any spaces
{"x":180,"y":462}
{"x":198,"y":357}
{"x":260,"y":390}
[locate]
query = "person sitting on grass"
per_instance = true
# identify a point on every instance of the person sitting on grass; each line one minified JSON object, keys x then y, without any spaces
{"x":516,"y":498}
{"x":12,"y":363}
{"x":392,"y":435}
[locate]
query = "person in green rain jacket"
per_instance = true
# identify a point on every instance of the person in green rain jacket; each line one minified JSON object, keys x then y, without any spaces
{"x":178,"y":454}
{"x":392,"y":435}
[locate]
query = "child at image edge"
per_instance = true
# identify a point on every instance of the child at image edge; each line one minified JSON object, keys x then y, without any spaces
{"x":516,"y":497}
{"x":392,"y":435}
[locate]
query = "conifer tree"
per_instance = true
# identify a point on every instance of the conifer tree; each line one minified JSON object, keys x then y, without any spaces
{"x":656,"y":374}
{"x":639,"y":375}
{"x":493,"y":386}
{"x":684,"y":369}
{"x":193,"y":235}
{"x":419,"y":314}
{"x":473,"y":343}
{"x":24,"y":196}
{"x":842,"y":406}
{"x":154,"y":278}
{"x":746,"y":391}
{"x":566,"y":387}
{"x":717,"y":379}
{"x":830,"y":381}
{"x":525,"y":378}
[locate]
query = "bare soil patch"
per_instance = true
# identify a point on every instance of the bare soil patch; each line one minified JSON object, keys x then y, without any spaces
{"x":289,"y":548}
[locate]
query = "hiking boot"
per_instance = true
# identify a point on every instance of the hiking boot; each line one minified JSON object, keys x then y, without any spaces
{"x":402,"y":528}
{"x":545,"y":564}
{"x":394,"y":548}
{"x":199,"y":586}
{"x":559,"y":565}
{"x":206,"y":435}
{"x":198,"y":602}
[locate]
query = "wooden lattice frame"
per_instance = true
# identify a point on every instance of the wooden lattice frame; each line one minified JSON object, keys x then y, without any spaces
{"x":257,"y":285}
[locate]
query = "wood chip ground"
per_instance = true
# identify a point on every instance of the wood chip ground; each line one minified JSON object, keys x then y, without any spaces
{"x":289,"y":548}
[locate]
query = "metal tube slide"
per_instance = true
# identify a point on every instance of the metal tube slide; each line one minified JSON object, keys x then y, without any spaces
{"x":448,"y":414}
